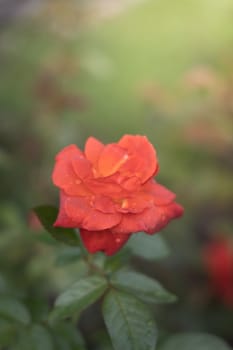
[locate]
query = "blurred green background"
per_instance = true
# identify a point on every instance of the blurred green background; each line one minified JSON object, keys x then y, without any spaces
{"x":71,"y":69}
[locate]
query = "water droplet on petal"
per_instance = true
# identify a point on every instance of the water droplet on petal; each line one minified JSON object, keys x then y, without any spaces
{"x":163,"y":217}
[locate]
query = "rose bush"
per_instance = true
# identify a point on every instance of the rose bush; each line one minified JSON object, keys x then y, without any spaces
{"x":109,"y":193}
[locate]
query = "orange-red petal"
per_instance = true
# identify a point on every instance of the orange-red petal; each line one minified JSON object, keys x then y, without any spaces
{"x":97,"y":220}
{"x":82,"y":167}
{"x":104,"y":187}
{"x":104,"y":204}
{"x":81,"y":210}
{"x":76,"y":208}
{"x":65,"y":178}
{"x":164,"y":215}
{"x":111,"y":159}
{"x":63,"y":172}
{"x":142,"y":161}
{"x":151,"y":220}
{"x":63,"y":220}
{"x":131,"y":184}
{"x":67,"y":152}
{"x":136,"y":203}
{"x":93,"y":148}
{"x":105,"y":241}
{"x":161,"y":195}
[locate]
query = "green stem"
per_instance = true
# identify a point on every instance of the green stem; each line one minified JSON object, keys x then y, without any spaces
{"x":88,"y":259}
{"x":93,"y":267}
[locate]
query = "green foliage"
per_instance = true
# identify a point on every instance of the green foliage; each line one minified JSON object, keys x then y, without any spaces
{"x":143,"y":287}
{"x":79,"y":296}
{"x":194,"y":341}
{"x":12,"y":309}
{"x":7,"y":331}
{"x":68,"y":337}
{"x":39,"y":338}
{"x":129,"y":322}
{"x":36,"y":337}
{"x":148,"y":246}
{"x":47,"y":215}
{"x":68,"y":256}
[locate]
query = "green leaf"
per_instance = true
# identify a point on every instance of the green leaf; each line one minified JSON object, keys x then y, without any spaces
{"x":36,"y":337}
{"x":68,"y":256}
{"x":129,"y":322}
{"x":12,"y":309}
{"x":3,"y":284}
{"x":79,"y":296}
{"x":194,"y":341}
{"x":67,"y":336}
{"x":40,"y":338}
{"x":61,"y":343}
{"x":7,"y":332}
{"x":47,"y":216}
{"x":144,"y":287}
{"x":149,"y":247}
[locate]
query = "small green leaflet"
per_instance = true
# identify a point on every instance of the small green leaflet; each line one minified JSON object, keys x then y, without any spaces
{"x":7,"y":331}
{"x":129,"y":322}
{"x":40,"y":338}
{"x":36,"y":337}
{"x":142,"y":286}
{"x":194,"y":341}
{"x":68,"y":337}
{"x":47,"y":215}
{"x":14,"y":310}
{"x":150,"y":247}
{"x":79,"y":296}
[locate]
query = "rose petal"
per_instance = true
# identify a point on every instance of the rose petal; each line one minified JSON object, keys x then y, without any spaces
{"x":64,"y":176}
{"x":111,"y":159}
{"x":82,"y":167}
{"x":136,"y":203}
{"x":105,"y":241}
{"x":165,"y":214}
{"x":104,"y":204}
{"x":93,"y":148}
{"x":68,"y":152}
{"x":105,"y":187}
{"x":131,"y":184}
{"x":96,"y":220}
{"x":151,"y":220}
{"x":142,"y":161}
{"x":63,"y":172}
{"x":162,"y":196}
{"x":81,"y":210}
{"x":63,"y":220}
{"x":76,"y":208}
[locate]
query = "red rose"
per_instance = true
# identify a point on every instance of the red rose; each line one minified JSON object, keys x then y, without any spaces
{"x":218,"y":260}
{"x":108,"y":192}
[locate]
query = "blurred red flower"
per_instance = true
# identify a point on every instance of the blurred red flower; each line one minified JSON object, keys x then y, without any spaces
{"x":218,"y":260}
{"x":108,"y":192}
